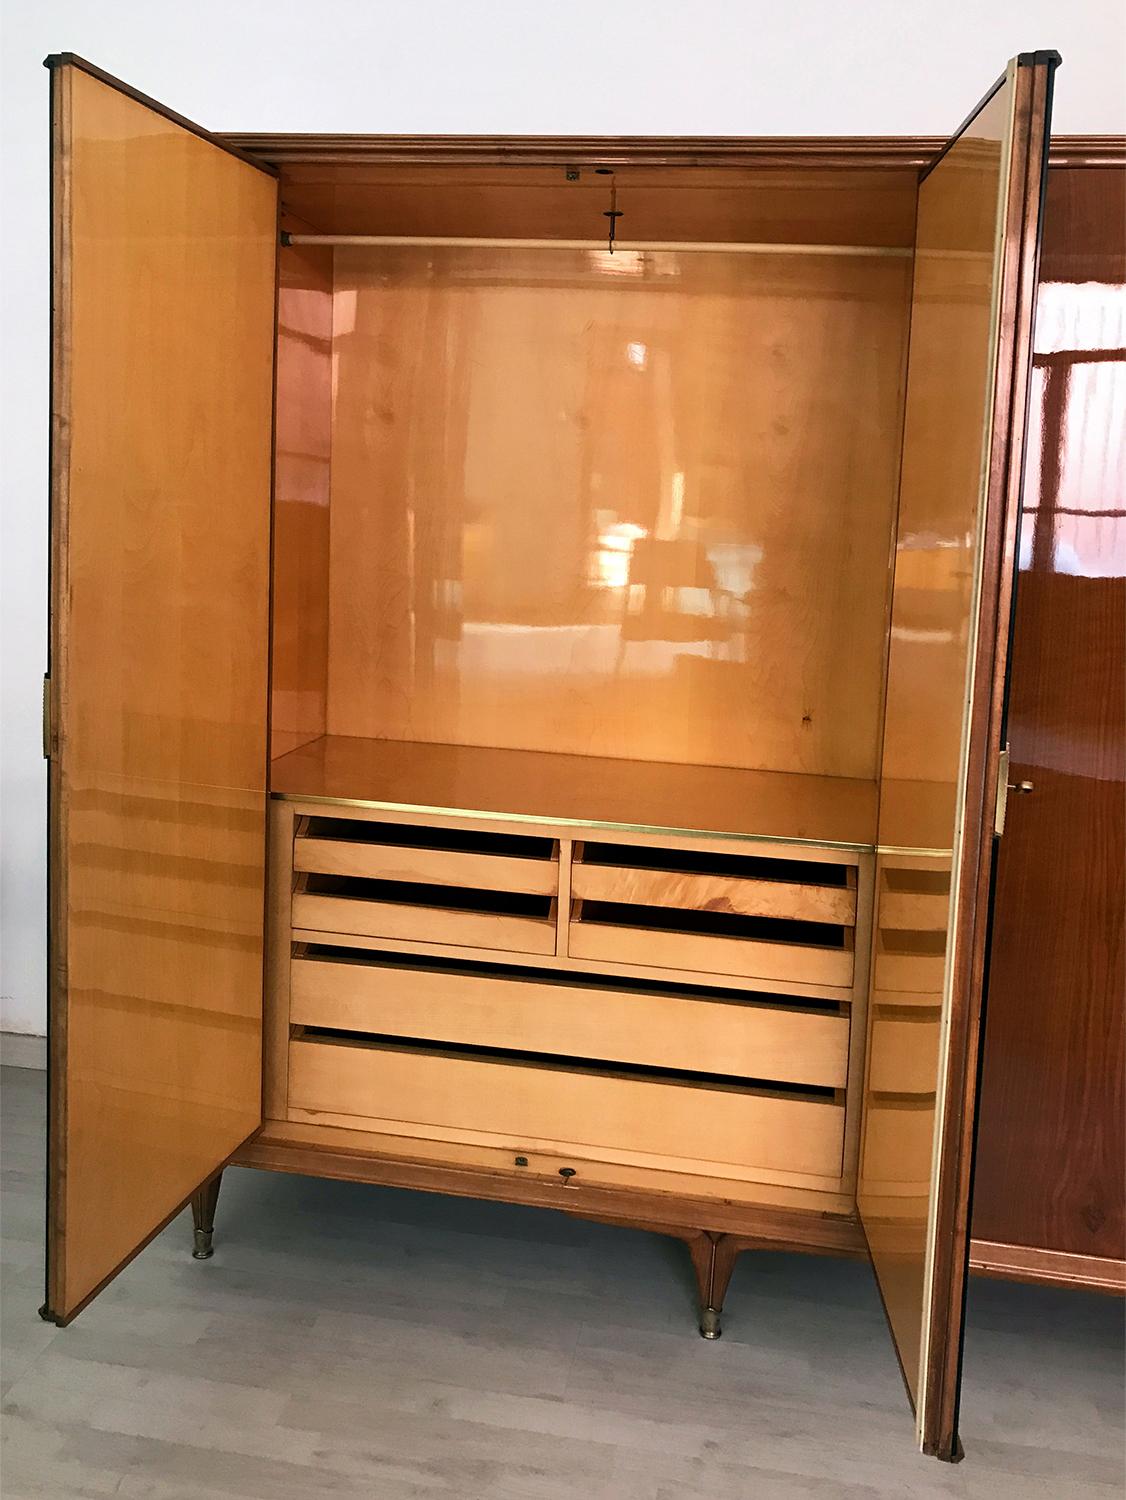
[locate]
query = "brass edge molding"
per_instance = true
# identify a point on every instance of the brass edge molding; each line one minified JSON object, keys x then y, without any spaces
{"x":604,"y":826}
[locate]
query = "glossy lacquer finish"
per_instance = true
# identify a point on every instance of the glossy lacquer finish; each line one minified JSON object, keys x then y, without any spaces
{"x":1050,"y":1155}
{"x":937,"y":566}
{"x":162,"y":381}
{"x":299,"y":678}
{"x":631,"y":505}
{"x":580,"y":789}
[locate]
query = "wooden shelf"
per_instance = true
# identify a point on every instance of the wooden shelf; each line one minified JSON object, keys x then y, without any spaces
{"x":828,"y":811}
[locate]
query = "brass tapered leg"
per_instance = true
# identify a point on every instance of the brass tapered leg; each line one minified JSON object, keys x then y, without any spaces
{"x":203,"y":1217}
{"x":713,"y":1260}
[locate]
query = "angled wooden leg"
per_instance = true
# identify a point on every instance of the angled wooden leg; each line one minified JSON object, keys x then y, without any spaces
{"x":203,"y":1217}
{"x":713,"y":1260}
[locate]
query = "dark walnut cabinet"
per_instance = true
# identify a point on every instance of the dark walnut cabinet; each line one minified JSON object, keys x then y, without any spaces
{"x":1051,"y":1150}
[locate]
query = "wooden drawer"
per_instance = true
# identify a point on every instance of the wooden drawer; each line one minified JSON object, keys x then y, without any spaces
{"x":674,"y":1119}
{"x":605,"y":932}
{"x":691,"y":1030}
{"x":427,"y":855}
{"x":897,"y":1153}
{"x":757,"y":917}
{"x":501,"y":921}
{"x":904,"y":1050}
{"x":909,"y":966}
{"x":426,"y":883}
{"x":738,"y":885}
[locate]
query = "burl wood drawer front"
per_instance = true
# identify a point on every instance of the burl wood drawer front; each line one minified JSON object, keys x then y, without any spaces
{"x":667,"y":948}
{"x":806,"y":901}
{"x":501,"y":925}
{"x":660,"y":1028}
{"x":758,"y":916}
{"x":527,"y":1101}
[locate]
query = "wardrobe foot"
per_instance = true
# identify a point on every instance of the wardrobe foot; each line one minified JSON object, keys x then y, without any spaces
{"x":709,"y":1323}
{"x":203,"y":1218}
{"x":713,"y":1260}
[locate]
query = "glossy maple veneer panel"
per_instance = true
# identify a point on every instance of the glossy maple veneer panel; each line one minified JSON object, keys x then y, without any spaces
{"x":582,"y":790}
{"x":937,"y":558}
{"x":679,"y":1120}
{"x":303,"y":442}
{"x":162,"y":384}
{"x":690,"y":1031}
{"x":1051,"y":1155}
{"x":564,"y":491}
{"x":808,"y":205}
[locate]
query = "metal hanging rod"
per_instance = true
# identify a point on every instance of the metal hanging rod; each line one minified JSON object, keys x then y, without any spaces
{"x":719,"y":247}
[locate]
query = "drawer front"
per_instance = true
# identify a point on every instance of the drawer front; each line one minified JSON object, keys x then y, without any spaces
{"x":689,"y":891}
{"x":665,"y":948}
{"x":909,"y":966}
{"x":758,"y":916}
{"x":686,"y":1031}
{"x":904,"y":1049}
{"x":419,"y":922}
{"x":426,"y":883}
{"x":425,"y":866}
{"x":897,"y":1152}
{"x":678,"y":1121}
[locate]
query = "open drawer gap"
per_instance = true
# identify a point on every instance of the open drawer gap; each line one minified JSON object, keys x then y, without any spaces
{"x":713,"y":924}
{"x":445,"y":897}
{"x":420,"y":836}
{"x":701,"y":862}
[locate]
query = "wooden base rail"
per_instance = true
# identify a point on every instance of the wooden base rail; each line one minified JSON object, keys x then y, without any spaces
{"x":1096,"y":1273}
{"x":713,"y":1250}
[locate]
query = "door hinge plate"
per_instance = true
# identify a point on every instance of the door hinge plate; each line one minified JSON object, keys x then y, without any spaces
{"x":1002,"y":803}
{"x":46,"y":717}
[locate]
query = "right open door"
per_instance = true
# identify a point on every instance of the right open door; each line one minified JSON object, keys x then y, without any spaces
{"x":942,"y":774}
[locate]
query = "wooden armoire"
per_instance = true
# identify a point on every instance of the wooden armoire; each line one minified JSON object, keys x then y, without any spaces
{"x":526,"y":701}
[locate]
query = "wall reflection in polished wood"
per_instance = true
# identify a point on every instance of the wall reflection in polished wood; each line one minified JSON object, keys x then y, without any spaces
{"x":632,"y":505}
{"x":303,"y":445}
{"x":932,"y":630}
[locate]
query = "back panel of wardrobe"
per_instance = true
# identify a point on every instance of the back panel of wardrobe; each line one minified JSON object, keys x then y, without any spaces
{"x":633,"y":505}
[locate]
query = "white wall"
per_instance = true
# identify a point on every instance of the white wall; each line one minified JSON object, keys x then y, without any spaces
{"x":660,"y":67}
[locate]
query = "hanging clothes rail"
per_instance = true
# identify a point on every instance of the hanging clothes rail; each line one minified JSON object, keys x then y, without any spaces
{"x":621,"y":247}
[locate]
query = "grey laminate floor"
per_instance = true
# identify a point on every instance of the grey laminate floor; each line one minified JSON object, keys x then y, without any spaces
{"x":350,"y":1341}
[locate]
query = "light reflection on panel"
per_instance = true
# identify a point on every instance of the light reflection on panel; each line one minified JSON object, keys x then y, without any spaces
{"x":933,"y":603}
{"x":302,"y":439}
{"x":633,"y":505}
{"x":1079,"y":390}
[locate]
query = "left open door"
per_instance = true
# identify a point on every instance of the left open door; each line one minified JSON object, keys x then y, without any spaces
{"x":164,"y":246}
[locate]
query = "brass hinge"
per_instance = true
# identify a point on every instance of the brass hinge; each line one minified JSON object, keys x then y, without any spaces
{"x":46,"y":717}
{"x":1002,"y":804}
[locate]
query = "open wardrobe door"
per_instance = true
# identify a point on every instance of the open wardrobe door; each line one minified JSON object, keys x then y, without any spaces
{"x":163,"y":294}
{"x":942,"y":781}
